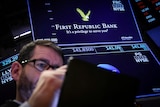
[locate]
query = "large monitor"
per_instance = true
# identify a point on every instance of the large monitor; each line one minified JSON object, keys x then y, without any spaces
{"x":103,"y":32}
{"x":81,"y":22}
{"x":131,"y":59}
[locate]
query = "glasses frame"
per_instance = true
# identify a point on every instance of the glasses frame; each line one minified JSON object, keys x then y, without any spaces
{"x":44,"y":62}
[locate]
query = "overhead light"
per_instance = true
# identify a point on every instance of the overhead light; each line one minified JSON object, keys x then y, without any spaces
{"x":23,"y":34}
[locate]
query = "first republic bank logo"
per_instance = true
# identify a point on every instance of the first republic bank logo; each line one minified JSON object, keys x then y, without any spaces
{"x":85,"y":17}
{"x":116,"y":4}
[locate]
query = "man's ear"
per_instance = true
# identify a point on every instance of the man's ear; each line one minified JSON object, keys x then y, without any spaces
{"x":16,"y":69}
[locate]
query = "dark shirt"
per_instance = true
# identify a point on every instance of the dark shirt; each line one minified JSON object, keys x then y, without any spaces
{"x":10,"y":103}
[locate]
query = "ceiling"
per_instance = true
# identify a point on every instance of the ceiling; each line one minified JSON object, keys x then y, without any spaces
{"x":14,"y":15}
{"x":14,"y":20}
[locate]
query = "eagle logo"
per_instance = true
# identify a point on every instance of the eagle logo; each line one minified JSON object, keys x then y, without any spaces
{"x":85,"y":17}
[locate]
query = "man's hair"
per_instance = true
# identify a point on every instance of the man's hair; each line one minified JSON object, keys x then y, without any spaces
{"x":27,"y":50}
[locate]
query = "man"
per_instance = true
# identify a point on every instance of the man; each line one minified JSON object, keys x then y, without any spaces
{"x":38,"y":73}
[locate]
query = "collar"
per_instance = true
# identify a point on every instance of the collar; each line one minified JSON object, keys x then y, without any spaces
{"x":16,"y":101}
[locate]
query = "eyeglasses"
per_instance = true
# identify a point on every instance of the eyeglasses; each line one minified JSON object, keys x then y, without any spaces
{"x":40,"y":64}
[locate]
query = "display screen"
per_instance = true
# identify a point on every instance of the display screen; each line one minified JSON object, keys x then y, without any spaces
{"x":7,"y":84}
{"x":70,"y":22}
{"x":147,"y":12}
{"x":132,"y":59}
{"x":154,"y":35}
{"x":5,"y":71}
{"x":103,"y":32}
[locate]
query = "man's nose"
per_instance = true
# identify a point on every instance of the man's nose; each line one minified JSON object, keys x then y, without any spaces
{"x":50,"y":68}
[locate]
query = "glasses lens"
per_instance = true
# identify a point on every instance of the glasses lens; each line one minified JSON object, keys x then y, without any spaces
{"x":41,"y":65}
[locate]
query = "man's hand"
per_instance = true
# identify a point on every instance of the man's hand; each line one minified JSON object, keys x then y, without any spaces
{"x":49,"y":82}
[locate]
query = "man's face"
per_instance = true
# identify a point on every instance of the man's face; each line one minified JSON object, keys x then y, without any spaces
{"x":30,"y":75}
